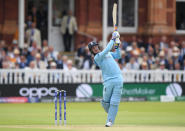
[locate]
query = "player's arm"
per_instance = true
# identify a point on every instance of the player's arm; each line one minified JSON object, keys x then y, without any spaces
{"x":102,"y":54}
{"x":117,"y":53}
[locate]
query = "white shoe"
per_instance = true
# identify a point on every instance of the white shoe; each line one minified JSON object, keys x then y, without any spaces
{"x":109,"y":124}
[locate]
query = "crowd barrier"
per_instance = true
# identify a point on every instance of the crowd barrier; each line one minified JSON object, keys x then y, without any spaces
{"x":22,"y":76}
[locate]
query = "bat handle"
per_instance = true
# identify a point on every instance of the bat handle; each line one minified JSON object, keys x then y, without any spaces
{"x":115,"y":28}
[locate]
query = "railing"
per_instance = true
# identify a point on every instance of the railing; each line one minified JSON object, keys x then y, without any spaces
{"x":85,"y":76}
{"x":87,"y":35}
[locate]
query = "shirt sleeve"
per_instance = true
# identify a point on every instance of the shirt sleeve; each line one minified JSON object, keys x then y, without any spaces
{"x":116,"y":54}
{"x":98,"y":57}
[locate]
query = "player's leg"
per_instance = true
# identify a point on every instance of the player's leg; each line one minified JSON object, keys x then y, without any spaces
{"x":105,"y":105}
{"x":107,"y":93}
{"x":114,"y":103}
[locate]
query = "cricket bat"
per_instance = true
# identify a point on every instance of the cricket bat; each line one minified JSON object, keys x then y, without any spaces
{"x":114,"y":17}
{"x":114,"y":14}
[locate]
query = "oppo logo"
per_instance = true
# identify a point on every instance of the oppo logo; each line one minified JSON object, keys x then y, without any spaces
{"x":40,"y":92}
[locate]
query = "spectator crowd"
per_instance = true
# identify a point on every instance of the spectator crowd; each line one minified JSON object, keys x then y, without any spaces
{"x":33,"y":57}
{"x":135,"y":55}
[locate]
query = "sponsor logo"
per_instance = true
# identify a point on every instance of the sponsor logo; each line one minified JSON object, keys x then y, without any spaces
{"x":139,"y":91}
{"x":167,"y":98}
{"x":84,"y":90}
{"x":174,"y":89}
{"x":13,"y":100}
{"x":37,"y":92}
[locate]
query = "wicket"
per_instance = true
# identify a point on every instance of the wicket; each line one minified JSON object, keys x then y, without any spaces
{"x":60,"y":106}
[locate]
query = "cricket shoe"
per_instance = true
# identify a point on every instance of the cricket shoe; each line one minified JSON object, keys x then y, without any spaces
{"x":109,"y":124}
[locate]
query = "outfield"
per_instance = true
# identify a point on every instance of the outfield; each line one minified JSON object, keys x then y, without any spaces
{"x":132,"y":116}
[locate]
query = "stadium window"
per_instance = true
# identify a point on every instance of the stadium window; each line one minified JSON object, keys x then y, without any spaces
{"x":180,"y":16}
{"x":127,"y":15}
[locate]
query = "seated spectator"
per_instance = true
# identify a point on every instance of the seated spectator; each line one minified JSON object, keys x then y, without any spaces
{"x":183,"y":67}
{"x":149,"y":44}
{"x":45,"y":57}
{"x":124,"y":43}
{"x":156,"y":50}
{"x":142,"y":52}
{"x":11,"y":64}
{"x":150,"y":51}
{"x":59,"y":61}
{"x":16,"y":66}
{"x":38,"y":62}
{"x":144,"y":76}
{"x":25,"y":50}
{"x":52,"y":54}
{"x":65,"y":59}
{"x":156,"y":64}
{"x":3,"y":45}
{"x":31,"y":66}
{"x":132,"y":65}
{"x":135,"y":47}
{"x":15,"y":44}
{"x":50,"y":60}
{"x":70,"y":66}
{"x":162,"y":66}
{"x":170,"y":49}
{"x":122,"y":59}
{"x":23,"y":62}
{"x":81,"y":49}
{"x":31,"y":76}
{"x":55,"y":75}
{"x":10,"y":51}
{"x":5,"y":65}
{"x":176,"y":55}
{"x":144,"y":66}
{"x":15,"y":58}
{"x":2,"y":55}
{"x":141,"y":43}
{"x":128,"y":53}
{"x":163,"y":43}
{"x":162,"y":58}
{"x":33,"y":46}
{"x":87,"y":63}
{"x":182,"y":51}
{"x":31,"y":57}
{"x":150,"y":61}
{"x":120,"y":64}
{"x":53,"y":65}
{"x":170,"y":64}
{"x":80,"y":54}
{"x":136,"y":56}
{"x":177,"y":66}
{"x":44,"y":45}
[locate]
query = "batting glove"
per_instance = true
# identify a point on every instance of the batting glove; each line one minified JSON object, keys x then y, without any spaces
{"x":117,"y":43}
{"x":115,"y":35}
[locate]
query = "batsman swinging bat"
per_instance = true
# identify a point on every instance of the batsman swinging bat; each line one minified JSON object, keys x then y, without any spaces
{"x":114,"y":14}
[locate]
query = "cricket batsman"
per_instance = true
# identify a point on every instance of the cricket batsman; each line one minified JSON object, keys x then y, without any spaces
{"x":112,"y":77}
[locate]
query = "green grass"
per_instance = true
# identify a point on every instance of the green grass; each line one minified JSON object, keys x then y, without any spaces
{"x":85,"y":116}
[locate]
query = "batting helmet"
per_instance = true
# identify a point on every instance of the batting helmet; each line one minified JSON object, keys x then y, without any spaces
{"x":90,"y":46}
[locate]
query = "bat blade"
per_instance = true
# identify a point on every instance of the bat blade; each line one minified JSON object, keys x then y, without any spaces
{"x":114,"y":14}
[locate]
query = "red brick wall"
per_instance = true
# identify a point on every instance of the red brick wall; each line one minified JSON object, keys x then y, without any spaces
{"x":1,"y":17}
{"x":142,"y":15}
{"x":89,"y":18}
{"x":8,"y":19}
